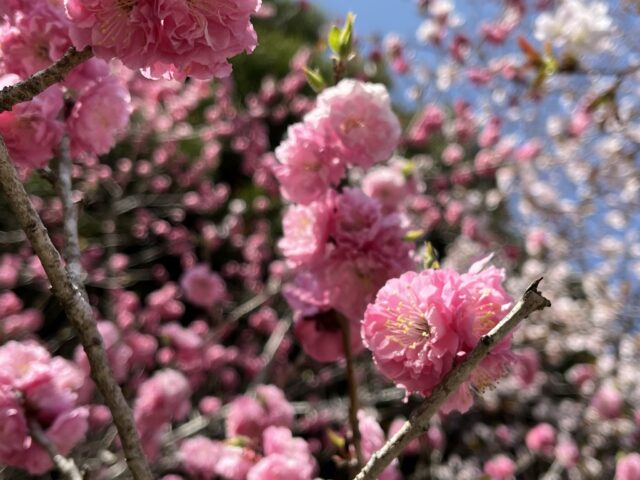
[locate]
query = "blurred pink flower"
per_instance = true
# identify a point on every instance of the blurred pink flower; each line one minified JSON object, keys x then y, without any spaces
{"x":360,"y":119}
{"x":199,"y":456}
{"x":388,"y":186}
{"x":500,"y":467}
{"x":202,"y":287}
{"x":372,"y":440}
{"x":567,"y":453}
{"x":249,"y":417}
{"x":100,"y":112}
{"x":628,"y":467}
{"x":31,"y":130}
{"x":541,"y":439}
{"x":608,"y":401}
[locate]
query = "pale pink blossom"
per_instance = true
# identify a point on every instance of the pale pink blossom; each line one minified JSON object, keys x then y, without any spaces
{"x":99,"y":114}
{"x":541,"y":439}
{"x":628,"y":467}
{"x":202,"y":287}
{"x":306,"y":231}
{"x":308,"y":166}
{"x":567,"y":453}
{"x":249,"y":417}
{"x":500,"y":467}
{"x":199,"y":456}
{"x":31,"y":130}
{"x":608,"y":401}
{"x":359,"y":116}
{"x":388,"y":186}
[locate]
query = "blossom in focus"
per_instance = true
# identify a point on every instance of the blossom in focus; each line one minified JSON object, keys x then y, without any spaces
{"x":171,"y":39}
{"x":422,"y":324}
{"x":360,"y":119}
{"x":100,"y":112}
{"x":202,"y":287}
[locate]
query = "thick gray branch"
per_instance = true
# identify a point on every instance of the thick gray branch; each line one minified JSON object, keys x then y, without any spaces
{"x":531,"y":301}
{"x":38,"y":82}
{"x":78,"y":311}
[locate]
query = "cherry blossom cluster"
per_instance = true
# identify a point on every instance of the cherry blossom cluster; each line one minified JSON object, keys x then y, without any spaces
{"x":91,"y":107}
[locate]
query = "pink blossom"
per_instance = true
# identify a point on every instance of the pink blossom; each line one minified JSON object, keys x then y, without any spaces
{"x":628,"y":467}
{"x":421,"y":324}
{"x":100,"y":112}
{"x":428,"y":122}
{"x":567,"y":453}
{"x":31,"y":130}
{"x":608,"y":401}
{"x":500,"y":467}
{"x":452,"y":154}
{"x":388,"y":186}
{"x":541,"y":439}
{"x":360,"y":118}
{"x":202,"y":287}
{"x":535,"y":241}
{"x":118,"y":353}
{"x":235,"y":462}
{"x":35,"y":39}
{"x":285,"y":455}
{"x":308,"y":167}
{"x":168,"y":38}
{"x":199,"y":456}
{"x":372,"y":440}
{"x":306,"y":231}
{"x":248,"y":416}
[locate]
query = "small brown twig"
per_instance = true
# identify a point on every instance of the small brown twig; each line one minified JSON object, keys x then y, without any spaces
{"x":531,"y":301}
{"x":38,"y":82}
{"x":66,"y":466}
{"x":352,"y":386}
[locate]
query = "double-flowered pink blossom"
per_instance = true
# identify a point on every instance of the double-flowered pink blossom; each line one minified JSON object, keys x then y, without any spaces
{"x":249,"y":416}
{"x":422,"y":324}
{"x":36,"y":387}
{"x":170,"y":38}
{"x":99,"y":114}
{"x":363,"y":128}
{"x":286,"y":456}
{"x":202,"y":287}
{"x":32,"y":130}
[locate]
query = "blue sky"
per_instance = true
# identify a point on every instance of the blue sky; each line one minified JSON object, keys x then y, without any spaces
{"x":376,"y":16}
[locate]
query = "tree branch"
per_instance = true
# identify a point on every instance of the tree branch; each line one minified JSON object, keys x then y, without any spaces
{"x":66,"y":466}
{"x":352,"y":386}
{"x":64,"y":189}
{"x":78,"y":311}
{"x":38,"y":82}
{"x":531,"y":301}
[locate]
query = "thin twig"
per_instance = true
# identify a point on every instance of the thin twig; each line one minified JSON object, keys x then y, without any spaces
{"x":38,"y":82}
{"x":352,"y":386}
{"x":531,"y":301}
{"x":78,"y":311}
{"x":66,"y":466}
{"x":270,"y":350}
{"x":64,"y":189}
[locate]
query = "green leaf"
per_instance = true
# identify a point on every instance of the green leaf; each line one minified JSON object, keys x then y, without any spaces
{"x":413,"y":235}
{"x":334,"y":39}
{"x":336,"y":439}
{"x":315,"y":80}
{"x":346,"y":37}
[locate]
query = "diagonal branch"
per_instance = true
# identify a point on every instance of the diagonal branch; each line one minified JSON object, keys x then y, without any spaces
{"x":38,"y":82}
{"x":78,"y":311}
{"x":531,"y":301}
